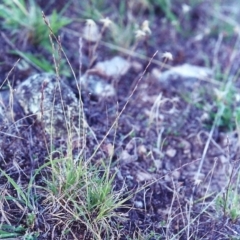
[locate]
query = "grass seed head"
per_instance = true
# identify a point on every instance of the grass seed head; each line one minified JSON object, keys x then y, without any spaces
{"x":106,"y":22}
{"x":91,"y":32}
{"x":145,"y":27}
{"x":140,"y":34}
{"x":167,"y":56}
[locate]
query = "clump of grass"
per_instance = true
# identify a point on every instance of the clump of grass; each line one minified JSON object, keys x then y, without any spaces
{"x":27,"y":23}
{"x":77,"y":192}
{"x":83,"y":192}
{"x":166,"y":7}
{"x":23,"y":200}
{"x":228,"y":202}
{"x":84,"y":195}
{"x":94,"y":9}
{"x":225,"y":105}
{"x":8,"y":231}
{"x":25,"y":19}
{"x":39,"y":62}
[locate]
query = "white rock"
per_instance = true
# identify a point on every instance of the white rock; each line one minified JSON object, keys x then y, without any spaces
{"x":138,"y":204}
{"x":171,"y":152}
{"x":184,"y":75}
{"x":114,"y":67}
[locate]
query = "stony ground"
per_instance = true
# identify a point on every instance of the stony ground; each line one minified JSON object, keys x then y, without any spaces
{"x":164,"y":139}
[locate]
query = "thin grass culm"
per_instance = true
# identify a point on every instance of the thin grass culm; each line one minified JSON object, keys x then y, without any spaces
{"x":81,"y":191}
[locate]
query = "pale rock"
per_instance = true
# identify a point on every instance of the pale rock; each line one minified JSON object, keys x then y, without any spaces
{"x":47,"y":100}
{"x":137,"y":66}
{"x":141,"y":150}
{"x":171,"y":152}
{"x":187,"y":151}
{"x":223,"y":159}
{"x":126,"y":158}
{"x":129,"y":177}
{"x":205,"y":117}
{"x":182,"y":77}
{"x":131,"y":145}
{"x":109,"y":149}
{"x":186,"y":145}
{"x":138,"y":204}
{"x":144,"y":176}
{"x":158,"y":164}
{"x":51,"y":101}
{"x":94,"y":84}
{"x":167,"y":178}
{"x":174,"y":175}
{"x":115,"y":67}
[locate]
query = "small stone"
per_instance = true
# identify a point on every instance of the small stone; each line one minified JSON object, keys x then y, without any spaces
{"x":223,"y":159}
{"x":144,"y":176}
{"x":205,"y":117}
{"x":187,"y":151}
{"x":167,"y":178}
{"x":129,"y":177}
{"x":94,"y":84}
{"x":186,"y":145}
{"x":141,"y":150}
{"x":158,"y":164}
{"x":171,"y":152}
{"x":138,"y":204}
{"x":176,"y":174}
{"x":109,"y":149}
{"x":156,"y":73}
{"x":114,"y":67}
{"x":173,"y":175}
{"x":126,"y":158}
{"x":137,"y":66}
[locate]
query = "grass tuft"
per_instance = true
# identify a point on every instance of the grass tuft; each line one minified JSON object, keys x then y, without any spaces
{"x":26,"y":21}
